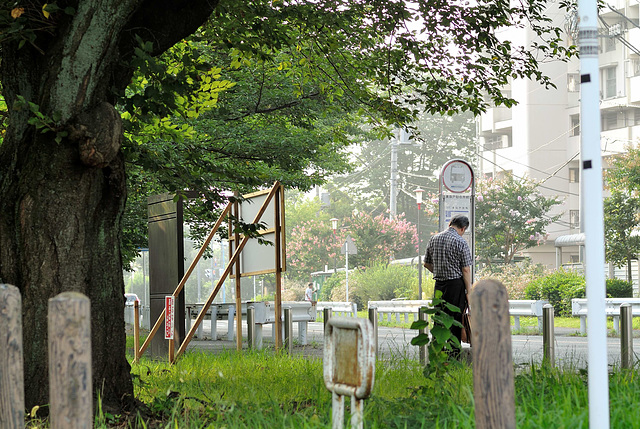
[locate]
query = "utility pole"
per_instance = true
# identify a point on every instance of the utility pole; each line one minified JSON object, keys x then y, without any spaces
{"x":591,"y":184}
{"x":401,"y":138}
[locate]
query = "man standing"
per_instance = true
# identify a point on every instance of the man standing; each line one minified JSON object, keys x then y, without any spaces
{"x":308,"y":293}
{"x":449,"y":259}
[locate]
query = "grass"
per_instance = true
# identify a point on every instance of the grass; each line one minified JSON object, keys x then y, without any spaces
{"x":264,"y":389}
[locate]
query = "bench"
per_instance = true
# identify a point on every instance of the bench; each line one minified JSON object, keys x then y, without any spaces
{"x":341,"y":308}
{"x":526,"y":307}
{"x":612,"y":309}
{"x":302,"y":312}
{"x":395,"y":308}
{"x":398,"y":307}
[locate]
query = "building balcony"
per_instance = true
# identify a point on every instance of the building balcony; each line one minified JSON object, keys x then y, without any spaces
{"x":633,"y":36}
{"x":496,"y":119}
{"x":633,"y":92}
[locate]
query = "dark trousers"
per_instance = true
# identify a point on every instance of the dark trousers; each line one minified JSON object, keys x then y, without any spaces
{"x":453,"y":292}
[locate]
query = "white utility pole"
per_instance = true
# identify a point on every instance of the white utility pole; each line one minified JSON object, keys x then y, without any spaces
{"x":591,"y":185}
{"x":401,"y":139}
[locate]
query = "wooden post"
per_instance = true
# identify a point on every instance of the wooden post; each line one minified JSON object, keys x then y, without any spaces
{"x":493,"y":384}
{"x":70,"y":378}
{"x":11,"y":360}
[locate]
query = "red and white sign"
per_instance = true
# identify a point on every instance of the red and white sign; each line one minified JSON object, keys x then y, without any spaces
{"x":169,"y":310}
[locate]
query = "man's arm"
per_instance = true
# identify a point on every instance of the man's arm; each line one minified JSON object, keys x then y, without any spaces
{"x":428,"y":266}
{"x":466,"y":277}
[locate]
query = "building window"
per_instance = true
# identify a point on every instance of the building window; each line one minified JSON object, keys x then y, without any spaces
{"x":610,"y":43}
{"x":610,"y":121}
{"x":634,"y":67}
{"x":573,"y":82}
{"x":574,"y":175}
{"x":575,"y":126}
{"x":574,"y":218}
{"x":609,"y":82}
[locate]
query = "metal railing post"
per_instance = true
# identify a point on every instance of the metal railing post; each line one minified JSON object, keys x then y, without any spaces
{"x":373,"y":318}
{"x":548,"y":335}
{"x":424,"y":356}
{"x":288,"y":330}
{"x":326,"y":315}
{"x":251,"y":327}
{"x":626,"y":335}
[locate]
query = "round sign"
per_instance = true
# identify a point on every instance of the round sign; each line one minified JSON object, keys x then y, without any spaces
{"x":457,"y":176}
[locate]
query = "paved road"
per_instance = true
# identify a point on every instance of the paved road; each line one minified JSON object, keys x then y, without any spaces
{"x":396,"y":343}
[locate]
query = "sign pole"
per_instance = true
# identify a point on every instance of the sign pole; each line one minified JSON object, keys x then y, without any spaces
{"x":347,"y":270}
{"x":169,"y":311}
{"x":591,"y":184}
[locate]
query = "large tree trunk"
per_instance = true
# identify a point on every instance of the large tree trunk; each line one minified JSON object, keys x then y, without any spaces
{"x":61,"y":203}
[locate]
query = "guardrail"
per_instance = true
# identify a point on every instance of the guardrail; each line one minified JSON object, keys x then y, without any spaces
{"x":339,"y":308}
{"x":612,"y":309}
{"x":264,"y":313}
{"x":397,"y":308}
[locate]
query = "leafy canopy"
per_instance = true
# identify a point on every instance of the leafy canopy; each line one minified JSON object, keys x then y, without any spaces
{"x":511,"y":216}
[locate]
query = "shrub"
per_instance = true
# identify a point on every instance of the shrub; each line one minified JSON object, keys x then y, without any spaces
{"x":515,"y":277}
{"x":329,"y":284}
{"x":377,"y":283}
{"x":383,"y":283}
{"x":558,"y":288}
{"x":617,"y":288}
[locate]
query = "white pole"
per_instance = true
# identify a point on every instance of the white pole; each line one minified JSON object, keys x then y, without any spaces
{"x":346,"y":254}
{"x":591,"y":184}
{"x":393,"y":184}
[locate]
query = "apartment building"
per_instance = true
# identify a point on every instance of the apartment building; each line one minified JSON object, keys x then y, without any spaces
{"x":540,"y":137}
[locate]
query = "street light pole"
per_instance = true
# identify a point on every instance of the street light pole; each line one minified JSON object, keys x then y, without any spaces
{"x":419,"y":201}
{"x":334,"y":226}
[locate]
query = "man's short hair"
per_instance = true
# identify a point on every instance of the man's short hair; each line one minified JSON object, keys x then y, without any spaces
{"x":459,"y":221}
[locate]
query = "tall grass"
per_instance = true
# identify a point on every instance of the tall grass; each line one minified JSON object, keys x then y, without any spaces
{"x":264,"y":389}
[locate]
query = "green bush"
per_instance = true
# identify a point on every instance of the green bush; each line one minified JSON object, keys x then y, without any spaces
{"x":617,"y":288}
{"x":514,"y":276}
{"x":329,"y":284}
{"x":559,"y":288}
{"x":383,"y":283}
{"x":377,"y":283}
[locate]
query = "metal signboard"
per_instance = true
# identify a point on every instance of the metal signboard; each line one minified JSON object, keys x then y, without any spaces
{"x":457,"y":176}
{"x":169,"y":308}
{"x":349,"y":356}
{"x":349,"y":247}
{"x":349,"y":366}
{"x":457,"y":197}
{"x":256,"y":258}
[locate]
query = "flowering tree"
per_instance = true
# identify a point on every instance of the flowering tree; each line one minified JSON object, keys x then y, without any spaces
{"x":511,"y":216}
{"x":313,"y":243}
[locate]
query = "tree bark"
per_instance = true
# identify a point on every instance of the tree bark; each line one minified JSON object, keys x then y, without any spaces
{"x":61,"y":203}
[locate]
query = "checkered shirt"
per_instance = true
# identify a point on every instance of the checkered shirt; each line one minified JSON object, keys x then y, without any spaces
{"x":449,"y":253}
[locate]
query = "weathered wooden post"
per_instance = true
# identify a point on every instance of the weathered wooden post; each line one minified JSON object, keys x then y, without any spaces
{"x":11,"y":360}
{"x":70,"y":379}
{"x":493,"y":384}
